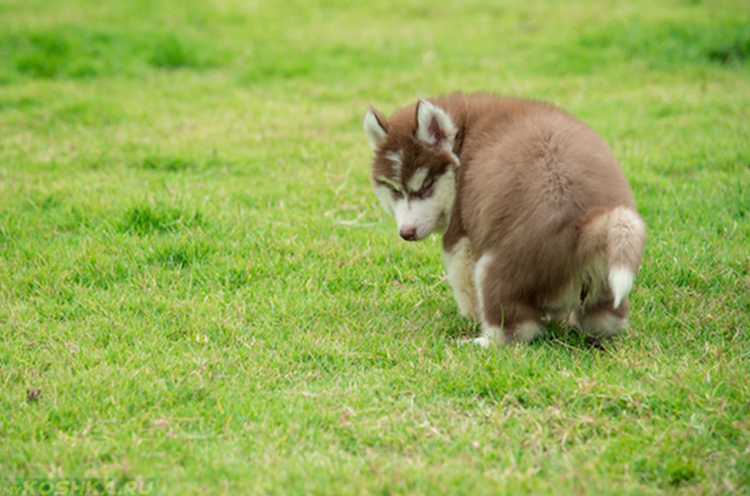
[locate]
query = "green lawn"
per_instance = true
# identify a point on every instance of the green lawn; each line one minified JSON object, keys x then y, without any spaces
{"x":195,"y":272}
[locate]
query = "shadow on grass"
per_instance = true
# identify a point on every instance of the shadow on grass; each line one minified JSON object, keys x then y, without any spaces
{"x":558,"y":334}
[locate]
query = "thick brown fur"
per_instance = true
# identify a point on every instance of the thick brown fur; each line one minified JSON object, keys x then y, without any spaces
{"x":542,"y":202}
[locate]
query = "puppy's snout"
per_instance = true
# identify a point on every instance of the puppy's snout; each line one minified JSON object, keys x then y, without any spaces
{"x":408,"y":233}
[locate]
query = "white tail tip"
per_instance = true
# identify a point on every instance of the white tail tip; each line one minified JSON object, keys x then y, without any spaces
{"x":620,"y":281}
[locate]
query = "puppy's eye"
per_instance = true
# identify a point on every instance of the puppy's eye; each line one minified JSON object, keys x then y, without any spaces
{"x":425,"y":188}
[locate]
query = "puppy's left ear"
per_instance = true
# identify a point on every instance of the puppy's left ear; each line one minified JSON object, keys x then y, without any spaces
{"x":376,"y":127}
{"x":434,"y":126}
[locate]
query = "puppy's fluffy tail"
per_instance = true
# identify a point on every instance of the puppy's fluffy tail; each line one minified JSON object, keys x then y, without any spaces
{"x":621,"y":233}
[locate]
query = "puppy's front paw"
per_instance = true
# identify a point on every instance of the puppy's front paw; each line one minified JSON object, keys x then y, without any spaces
{"x":482,"y":341}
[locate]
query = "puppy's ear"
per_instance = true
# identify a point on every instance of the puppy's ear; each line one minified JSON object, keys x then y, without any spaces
{"x":376,"y":127}
{"x":434,"y":126}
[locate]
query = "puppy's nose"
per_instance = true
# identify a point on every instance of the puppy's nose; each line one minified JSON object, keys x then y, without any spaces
{"x":408,"y":233}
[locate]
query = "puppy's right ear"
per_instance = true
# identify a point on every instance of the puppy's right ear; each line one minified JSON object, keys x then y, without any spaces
{"x":434,"y":126}
{"x":376,"y":127}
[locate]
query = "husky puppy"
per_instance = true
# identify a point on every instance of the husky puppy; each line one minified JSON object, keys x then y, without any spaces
{"x":538,"y":220}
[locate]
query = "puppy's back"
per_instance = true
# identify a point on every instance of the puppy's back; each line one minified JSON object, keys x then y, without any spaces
{"x":532,"y":177}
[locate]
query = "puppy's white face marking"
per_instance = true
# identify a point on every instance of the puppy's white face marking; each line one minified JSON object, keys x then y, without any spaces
{"x":421,"y":215}
{"x":391,"y":183}
{"x":417,"y":179}
{"x":397,"y":159}
{"x":385,"y":195}
{"x":427,"y":213}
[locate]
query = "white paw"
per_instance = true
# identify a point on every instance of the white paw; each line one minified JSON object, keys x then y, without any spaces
{"x":482,"y":341}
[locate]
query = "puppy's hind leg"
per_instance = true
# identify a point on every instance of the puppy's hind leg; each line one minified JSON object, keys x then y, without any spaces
{"x":505,"y":319}
{"x":602,"y":319}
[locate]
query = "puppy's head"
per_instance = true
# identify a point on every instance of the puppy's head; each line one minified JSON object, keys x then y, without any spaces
{"x":414,"y":168}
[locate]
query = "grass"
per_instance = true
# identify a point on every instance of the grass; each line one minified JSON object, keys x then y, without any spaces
{"x":196,"y":275}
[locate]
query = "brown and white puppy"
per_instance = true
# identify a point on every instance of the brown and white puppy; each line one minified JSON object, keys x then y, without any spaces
{"x":538,"y":218}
